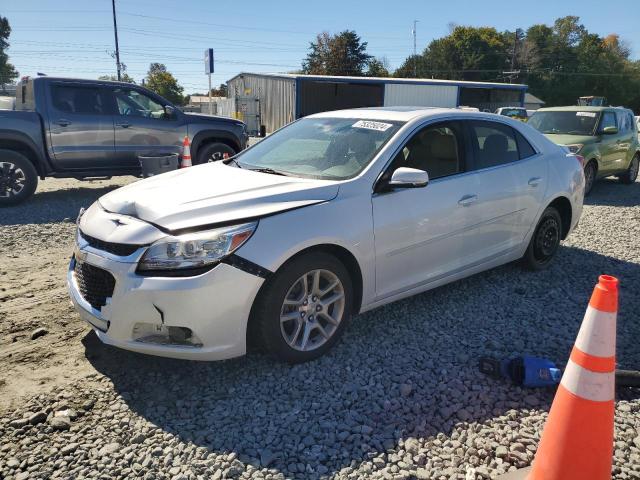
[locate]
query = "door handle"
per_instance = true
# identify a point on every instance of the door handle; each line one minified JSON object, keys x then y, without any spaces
{"x":63,"y":122}
{"x":535,"y":181}
{"x":468,"y":200}
{"x":123,"y":124}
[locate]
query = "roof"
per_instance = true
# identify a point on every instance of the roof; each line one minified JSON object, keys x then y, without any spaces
{"x":530,"y":98}
{"x":578,"y":108}
{"x":400,"y":114}
{"x":414,"y":81}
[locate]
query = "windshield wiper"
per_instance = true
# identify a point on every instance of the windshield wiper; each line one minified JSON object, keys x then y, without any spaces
{"x":270,"y":171}
{"x":234,"y":161}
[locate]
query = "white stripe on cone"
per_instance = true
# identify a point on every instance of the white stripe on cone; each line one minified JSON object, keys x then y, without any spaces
{"x":599,"y":387}
{"x":597,"y":334}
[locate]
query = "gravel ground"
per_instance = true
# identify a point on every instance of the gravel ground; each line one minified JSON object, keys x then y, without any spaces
{"x":399,"y":397}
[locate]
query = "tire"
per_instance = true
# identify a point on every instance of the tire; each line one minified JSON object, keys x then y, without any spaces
{"x":18,"y":178}
{"x":285,"y":339}
{"x":590,"y":173}
{"x":213,"y":152}
{"x":545,"y":241}
{"x":631,"y":174}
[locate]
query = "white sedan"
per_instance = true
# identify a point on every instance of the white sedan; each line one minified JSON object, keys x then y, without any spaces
{"x":333,"y":215}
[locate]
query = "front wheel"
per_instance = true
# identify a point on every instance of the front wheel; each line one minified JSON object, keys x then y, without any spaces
{"x":213,"y":152}
{"x":18,"y":178}
{"x":304,"y":308}
{"x":545,"y":241}
{"x":631,"y":174}
{"x":590,"y":172}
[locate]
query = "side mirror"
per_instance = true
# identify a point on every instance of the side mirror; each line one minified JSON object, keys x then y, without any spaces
{"x":405,"y":177}
{"x":610,"y":130}
{"x":169,"y":111}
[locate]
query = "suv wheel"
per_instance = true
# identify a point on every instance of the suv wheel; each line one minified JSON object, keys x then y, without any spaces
{"x":631,"y":174}
{"x":18,"y":178}
{"x":545,"y":241}
{"x":303,"y":310}
{"x":213,"y":152}
{"x":590,"y":172}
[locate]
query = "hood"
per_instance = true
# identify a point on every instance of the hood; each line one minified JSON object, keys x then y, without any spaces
{"x":210,"y":118}
{"x":214,"y":193}
{"x":559,"y":139}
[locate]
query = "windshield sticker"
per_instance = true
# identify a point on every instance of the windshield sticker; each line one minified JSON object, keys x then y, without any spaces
{"x":379,"y":126}
{"x":586,"y":114}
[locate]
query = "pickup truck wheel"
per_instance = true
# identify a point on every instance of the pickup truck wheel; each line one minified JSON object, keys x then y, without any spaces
{"x":18,"y":178}
{"x":631,"y":174}
{"x":213,"y":152}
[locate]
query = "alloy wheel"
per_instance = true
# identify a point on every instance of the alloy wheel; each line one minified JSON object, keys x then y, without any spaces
{"x":633,"y":171}
{"x":547,"y":240}
{"x":12,"y":179}
{"x":312,"y":310}
{"x":589,"y":177}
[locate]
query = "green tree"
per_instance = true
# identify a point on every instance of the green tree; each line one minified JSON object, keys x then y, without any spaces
{"x":378,"y":67}
{"x":8,"y":72}
{"x":164,"y":83}
{"x":221,"y":91}
{"x":114,"y":78}
{"x":341,"y":54}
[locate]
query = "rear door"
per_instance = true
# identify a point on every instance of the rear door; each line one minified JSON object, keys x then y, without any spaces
{"x":80,"y":126}
{"x":142,"y":127}
{"x":511,"y":178}
{"x":609,"y":145}
{"x":626,"y":139}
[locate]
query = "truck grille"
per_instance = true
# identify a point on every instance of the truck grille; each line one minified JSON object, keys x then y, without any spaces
{"x":95,"y":284}
{"x":120,"y":249}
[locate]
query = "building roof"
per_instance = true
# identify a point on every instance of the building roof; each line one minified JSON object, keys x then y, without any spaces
{"x":402,"y":113}
{"x":530,"y":98}
{"x":414,"y":81}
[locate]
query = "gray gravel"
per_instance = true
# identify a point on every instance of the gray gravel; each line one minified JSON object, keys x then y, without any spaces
{"x":399,"y":397}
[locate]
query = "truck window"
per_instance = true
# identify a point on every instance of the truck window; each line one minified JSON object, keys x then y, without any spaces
{"x":78,"y":99}
{"x":134,"y":103}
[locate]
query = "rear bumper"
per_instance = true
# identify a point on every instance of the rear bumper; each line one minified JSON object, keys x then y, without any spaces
{"x":215,"y":306}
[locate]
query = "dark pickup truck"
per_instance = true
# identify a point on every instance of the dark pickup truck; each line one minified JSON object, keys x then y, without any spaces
{"x":86,"y":129}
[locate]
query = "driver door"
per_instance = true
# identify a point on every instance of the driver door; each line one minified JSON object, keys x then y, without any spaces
{"x":142,"y":128}
{"x":420,"y":232}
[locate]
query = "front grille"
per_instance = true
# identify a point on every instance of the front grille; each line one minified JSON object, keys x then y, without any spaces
{"x":95,"y":284}
{"x":120,"y":249}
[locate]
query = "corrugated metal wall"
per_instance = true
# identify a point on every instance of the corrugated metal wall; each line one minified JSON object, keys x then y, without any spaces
{"x":397,"y":94}
{"x":277,"y":97}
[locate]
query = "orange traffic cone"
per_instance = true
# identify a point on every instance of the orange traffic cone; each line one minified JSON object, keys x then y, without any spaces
{"x":577,"y":440}
{"x":186,"y":153}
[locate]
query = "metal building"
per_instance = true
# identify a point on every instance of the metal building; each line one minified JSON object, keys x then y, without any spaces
{"x":273,"y":100}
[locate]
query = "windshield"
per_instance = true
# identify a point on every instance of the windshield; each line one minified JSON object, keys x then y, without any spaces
{"x":565,"y":123}
{"x":514,"y":112}
{"x":326,"y":148}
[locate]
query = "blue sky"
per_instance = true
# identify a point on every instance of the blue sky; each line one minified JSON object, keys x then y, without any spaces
{"x":75,"y":38}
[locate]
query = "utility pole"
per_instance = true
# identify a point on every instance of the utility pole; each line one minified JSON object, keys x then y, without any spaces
{"x":415,"y":52}
{"x":115,"y":32}
{"x":513,"y":56}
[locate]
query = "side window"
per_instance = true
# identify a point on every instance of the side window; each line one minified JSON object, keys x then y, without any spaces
{"x":608,"y":120}
{"x":133,"y":103}
{"x":525,"y":149}
{"x":434,"y":149}
{"x":78,"y":99}
{"x":623,"y":119}
{"x":494,"y":144}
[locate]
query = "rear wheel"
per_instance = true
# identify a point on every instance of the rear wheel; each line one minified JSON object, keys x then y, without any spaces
{"x":590,"y":172}
{"x":213,"y":152}
{"x":631,"y":174}
{"x":18,"y":178}
{"x":303,"y":310}
{"x":545,"y":241}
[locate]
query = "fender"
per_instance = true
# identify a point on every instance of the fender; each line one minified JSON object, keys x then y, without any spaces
{"x":204,"y":135}
{"x":41,"y":161}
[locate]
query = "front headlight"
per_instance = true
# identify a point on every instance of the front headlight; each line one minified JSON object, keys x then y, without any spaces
{"x":575,"y":148}
{"x":194,"y":250}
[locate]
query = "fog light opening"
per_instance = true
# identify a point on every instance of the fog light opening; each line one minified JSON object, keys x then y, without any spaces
{"x":165,"y":335}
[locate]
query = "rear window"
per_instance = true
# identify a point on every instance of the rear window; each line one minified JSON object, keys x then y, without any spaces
{"x":78,"y":99}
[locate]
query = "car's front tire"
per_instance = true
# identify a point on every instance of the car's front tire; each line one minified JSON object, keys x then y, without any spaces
{"x":213,"y":152}
{"x":18,"y":178}
{"x":631,"y":174}
{"x":545,"y":241}
{"x":590,"y":173}
{"x":304,"y":308}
